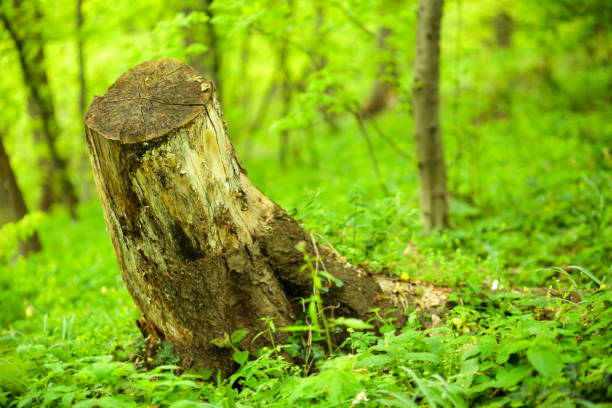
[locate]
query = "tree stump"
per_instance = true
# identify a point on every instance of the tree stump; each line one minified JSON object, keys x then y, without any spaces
{"x":202,"y":251}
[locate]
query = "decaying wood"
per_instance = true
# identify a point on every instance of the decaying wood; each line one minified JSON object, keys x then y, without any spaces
{"x":202,"y":251}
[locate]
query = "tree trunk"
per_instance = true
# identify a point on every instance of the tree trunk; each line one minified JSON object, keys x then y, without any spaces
{"x":80,"y":57}
{"x":504,"y":28}
{"x":83,"y":160}
{"x":214,"y":50}
{"x":23,"y":22}
{"x":433,"y":193}
{"x":382,"y":95}
{"x":209,"y":63}
{"x":12,"y":204}
{"x":285,"y":87}
{"x":202,"y":251}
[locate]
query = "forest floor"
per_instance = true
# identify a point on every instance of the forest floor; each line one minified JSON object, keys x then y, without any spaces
{"x":527,"y":261}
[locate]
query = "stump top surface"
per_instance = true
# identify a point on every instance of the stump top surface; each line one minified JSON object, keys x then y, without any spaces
{"x":148,"y":101}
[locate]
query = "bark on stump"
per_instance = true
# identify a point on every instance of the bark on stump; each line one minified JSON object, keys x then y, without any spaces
{"x":202,"y":251}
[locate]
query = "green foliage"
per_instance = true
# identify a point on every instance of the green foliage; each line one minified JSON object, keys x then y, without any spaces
{"x":497,"y":348}
{"x":11,"y":233}
{"x":528,"y":143}
{"x":164,"y":355}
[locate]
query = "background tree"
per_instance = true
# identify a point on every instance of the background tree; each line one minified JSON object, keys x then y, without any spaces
{"x":384,"y":93}
{"x":12,"y":204}
{"x":83,"y":165}
{"x":201,"y":32}
{"x":433,"y":193}
{"x":285,"y":83}
{"x":80,"y":57}
{"x":23,"y":21}
{"x":503,"y":26}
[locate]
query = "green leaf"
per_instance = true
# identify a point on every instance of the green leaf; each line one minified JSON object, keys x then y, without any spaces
{"x":379,"y":360}
{"x":469,"y":368}
{"x":546,"y":359}
{"x":331,"y":278}
{"x":511,"y":348}
{"x":420,"y":357}
{"x":511,"y":377}
{"x":105,"y":402}
{"x":241,"y":356}
{"x":222,"y":342}
{"x":400,"y":401}
{"x":102,"y":370}
{"x":312,"y":313}
{"x":430,"y":397}
{"x":203,"y":374}
{"x":67,"y":399}
{"x":238,"y":335}
{"x":298,"y":328}
{"x":487,"y":346}
{"x":353,"y":323}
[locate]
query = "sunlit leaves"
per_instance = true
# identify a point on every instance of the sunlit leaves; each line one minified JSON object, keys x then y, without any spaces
{"x":546,"y":358}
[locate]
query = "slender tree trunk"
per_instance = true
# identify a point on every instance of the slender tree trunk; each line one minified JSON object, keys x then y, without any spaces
{"x":260,"y":115}
{"x":319,"y":62}
{"x":23,"y":22}
{"x":285,"y":86}
{"x":433,"y":193}
{"x":384,"y":86}
{"x":12,"y":204}
{"x":214,"y":50}
{"x":202,"y":251}
{"x":83,"y":161}
{"x":80,"y":57}
{"x":245,"y":55}
{"x":208,"y":64}
{"x":504,"y":29}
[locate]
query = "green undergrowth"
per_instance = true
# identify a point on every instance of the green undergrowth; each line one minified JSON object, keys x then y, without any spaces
{"x":68,"y":335}
{"x":68,"y":338}
{"x":516,"y":206}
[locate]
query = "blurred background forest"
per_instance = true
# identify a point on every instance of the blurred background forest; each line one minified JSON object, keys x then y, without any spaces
{"x":317,"y":98}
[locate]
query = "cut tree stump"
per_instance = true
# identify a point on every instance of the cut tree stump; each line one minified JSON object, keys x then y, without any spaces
{"x":202,"y":251}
